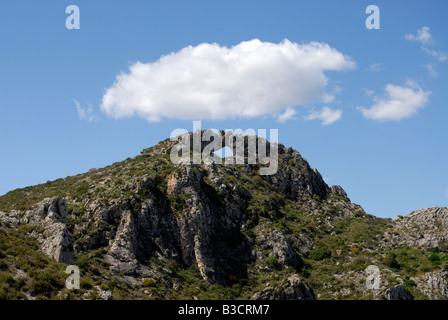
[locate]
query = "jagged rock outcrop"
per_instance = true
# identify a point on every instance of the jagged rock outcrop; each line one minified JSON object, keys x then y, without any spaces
{"x":277,"y":244}
{"x":56,"y":242}
{"x":50,"y":216}
{"x":434,"y":285}
{"x":294,"y":180}
{"x":398,"y":292}
{"x":291,"y":288}
{"x":199,"y":230}
{"x":424,"y":228}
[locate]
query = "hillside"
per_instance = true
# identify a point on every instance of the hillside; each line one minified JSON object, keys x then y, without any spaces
{"x":145,"y":228}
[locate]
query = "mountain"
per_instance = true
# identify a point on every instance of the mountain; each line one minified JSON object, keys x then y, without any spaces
{"x":146,"y":228}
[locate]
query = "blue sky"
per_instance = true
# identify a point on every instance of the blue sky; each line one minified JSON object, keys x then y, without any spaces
{"x":377,"y":124}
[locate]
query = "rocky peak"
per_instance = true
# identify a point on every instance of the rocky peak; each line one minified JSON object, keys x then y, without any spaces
{"x":148,"y":218}
{"x":422,"y":228}
{"x":293,"y":176}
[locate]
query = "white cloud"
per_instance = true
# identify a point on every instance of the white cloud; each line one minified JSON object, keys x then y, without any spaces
{"x":287,"y":115}
{"x":85,"y":114}
{"x":368,"y":92}
{"x":431,"y":70}
{"x":376,"y":67}
{"x":423,"y":36}
{"x":327,"y":115}
{"x":209,"y":81}
{"x":400,"y":103}
{"x":439,"y":55}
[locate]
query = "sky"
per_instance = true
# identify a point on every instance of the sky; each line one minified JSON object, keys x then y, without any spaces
{"x":365,"y":106}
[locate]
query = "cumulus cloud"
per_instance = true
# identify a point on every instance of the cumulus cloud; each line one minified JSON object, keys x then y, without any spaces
{"x":209,"y":81}
{"x":423,"y":36}
{"x":399,"y":103}
{"x":327,"y":115}
{"x":83,"y":113}
{"x":287,"y":115}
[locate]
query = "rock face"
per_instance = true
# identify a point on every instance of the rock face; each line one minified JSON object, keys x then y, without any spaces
{"x":434,"y":285}
{"x":280,"y":249}
{"x":398,"y":292}
{"x":200,"y":218}
{"x":204,"y":226}
{"x":424,"y":228}
{"x":50,"y":216}
{"x":203,"y":231}
{"x":291,"y":289}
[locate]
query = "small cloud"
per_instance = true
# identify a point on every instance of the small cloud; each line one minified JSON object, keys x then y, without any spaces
{"x":336,"y":89}
{"x":376,"y":67}
{"x":423,"y":36}
{"x":327,"y":115}
{"x":431,"y":70}
{"x":439,"y":55}
{"x":368,"y":92}
{"x":287,"y":115}
{"x":400,"y":103}
{"x":85,"y":114}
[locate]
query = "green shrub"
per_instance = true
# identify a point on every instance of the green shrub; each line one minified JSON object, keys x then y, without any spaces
{"x":444,"y":264}
{"x":250,"y":233}
{"x":434,"y":257}
{"x":272,"y":262}
{"x":358,"y":214}
{"x":231,"y":179}
{"x":410,"y":283}
{"x":435,"y":250}
{"x":46,"y":283}
{"x":244,"y":179}
{"x":443,"y":247}
{"x":3,"y":264}
{"x":86,"y":283}
{"x":359,"y":264}
{"x":425,"y":269}
{"x":9,"y":287}
{"x":390,"y":260}
{"x":149,"y":282}
{"x":321,"y":252}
